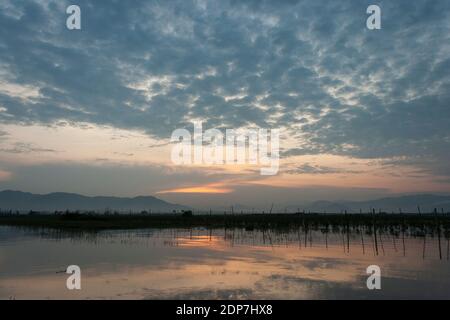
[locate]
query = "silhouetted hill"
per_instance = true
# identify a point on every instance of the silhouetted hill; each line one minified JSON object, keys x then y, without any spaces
{"x":59,"y":201}
{"x":408,"y":204}
{"x":24,"y":201}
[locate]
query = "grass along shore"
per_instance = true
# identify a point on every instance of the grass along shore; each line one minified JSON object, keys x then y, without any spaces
{"x":434,"y":224}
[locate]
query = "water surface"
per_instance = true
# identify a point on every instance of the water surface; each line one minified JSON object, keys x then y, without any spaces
{"x":220,"y":264}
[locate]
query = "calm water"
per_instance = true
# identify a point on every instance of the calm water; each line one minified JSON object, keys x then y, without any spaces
{"x":219,"y":264}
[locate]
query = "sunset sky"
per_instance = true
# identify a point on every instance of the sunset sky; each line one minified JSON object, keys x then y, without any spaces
{"x":362,"y":113}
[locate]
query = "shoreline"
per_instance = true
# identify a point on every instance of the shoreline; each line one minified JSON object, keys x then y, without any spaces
{"x":428,"y":223}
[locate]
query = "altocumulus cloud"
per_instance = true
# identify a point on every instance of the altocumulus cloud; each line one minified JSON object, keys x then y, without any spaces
{"x":310,"y":67}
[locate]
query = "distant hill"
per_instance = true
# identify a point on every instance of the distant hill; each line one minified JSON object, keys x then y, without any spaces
{"x":59,"y":201}
{"x":408,"y":204}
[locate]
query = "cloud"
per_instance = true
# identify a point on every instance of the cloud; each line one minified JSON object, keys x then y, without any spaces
{"x":312,"y":68}
{"x":5,"y":175}
{"x":104,"y":177}
{"x":20,"y":147}
{"x":3,"y":135}
{"x":317,"y":169}
{"x":213,"y":188}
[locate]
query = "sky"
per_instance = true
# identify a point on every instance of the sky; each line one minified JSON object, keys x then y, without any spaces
{"x":362,"y":113}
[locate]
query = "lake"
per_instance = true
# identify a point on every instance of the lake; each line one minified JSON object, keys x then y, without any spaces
{"x":220,"y":264}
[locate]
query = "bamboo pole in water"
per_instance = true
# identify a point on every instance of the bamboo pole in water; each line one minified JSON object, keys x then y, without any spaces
{"x":448,"y":247}
{"x":393,"y":240}
{"x":439,"y":235}
{"x":362,"y":239}
{"x":424,"y":244}
{"x":270,"y":238}
{"x":375,"y":231}
{"x":347,"y":231}
{"x":306,"y":231}
{"x":232,"y":237}
{"x":403,"y":237}
{"x":381,"y":243}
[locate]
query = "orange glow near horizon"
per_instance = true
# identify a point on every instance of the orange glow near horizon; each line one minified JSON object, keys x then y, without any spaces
{"x":210,"y":188}
{"x":129,"y":150}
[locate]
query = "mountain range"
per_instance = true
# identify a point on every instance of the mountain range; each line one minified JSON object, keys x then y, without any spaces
{"x":426,"y":203}
{"x":59,"y":201}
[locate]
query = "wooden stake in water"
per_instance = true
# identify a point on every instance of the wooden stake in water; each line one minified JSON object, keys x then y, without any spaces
{"x":438,"y":225}
{"x":347,"y":232}
{"x":362,"y":240}
{"x":393,"y":240}
{"x":448,"y":247}
{"x":403,"y":237}
{"x":424,"y":244}
{"x":375,"y":231}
